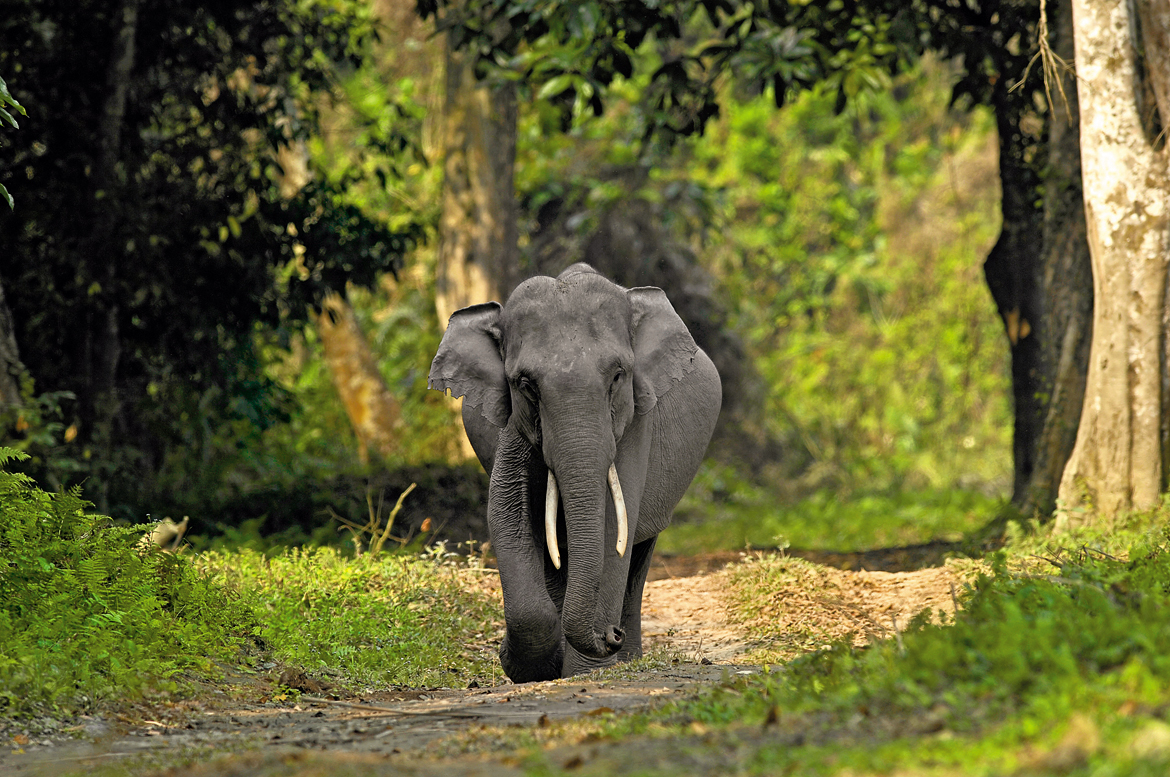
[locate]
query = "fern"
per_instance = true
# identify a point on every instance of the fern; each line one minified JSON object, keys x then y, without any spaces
{"x":86,"y":614}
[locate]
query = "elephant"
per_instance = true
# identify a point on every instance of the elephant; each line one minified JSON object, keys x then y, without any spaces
{"x":597,"y":399}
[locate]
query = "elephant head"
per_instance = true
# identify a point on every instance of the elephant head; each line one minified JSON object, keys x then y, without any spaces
{"x":562,"y":383}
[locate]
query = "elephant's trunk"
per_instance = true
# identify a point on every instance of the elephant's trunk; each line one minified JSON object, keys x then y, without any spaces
{"x":552,"y":499}
{"x":581,"y":474}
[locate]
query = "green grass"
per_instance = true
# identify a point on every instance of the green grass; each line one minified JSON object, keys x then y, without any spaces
{"x":373,"y":620}
{"x":88,"y":617}
{"x":1057,"y":664}
{"x":722,"y":513}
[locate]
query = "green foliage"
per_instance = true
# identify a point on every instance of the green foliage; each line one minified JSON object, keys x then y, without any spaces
{"x":848,"y":250}
{"x":87,"y":615}
{"x":723,"y":511}
{"x":1057,"y":656}
{"x":570,"y":53}
{"x":8,"y":101}
{"x":374,"y":620}
{"x":186,"y":224}
{"x":851,"y":245}
{"x":311,"y":446}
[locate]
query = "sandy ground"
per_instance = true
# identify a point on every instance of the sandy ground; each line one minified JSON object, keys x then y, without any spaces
{"x":686,"y":617}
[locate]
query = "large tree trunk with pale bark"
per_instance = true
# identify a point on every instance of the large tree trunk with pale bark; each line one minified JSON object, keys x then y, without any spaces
{"x":1118,"y":463}
{"x":373,"y":411}
{"x":478,"y":254}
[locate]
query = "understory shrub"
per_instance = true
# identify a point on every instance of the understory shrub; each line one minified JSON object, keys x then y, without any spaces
{"x":87,"y":613}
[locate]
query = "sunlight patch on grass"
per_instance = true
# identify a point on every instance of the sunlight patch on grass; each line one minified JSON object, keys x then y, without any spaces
{"x":373,"y":620}
{"x":749,"y":518}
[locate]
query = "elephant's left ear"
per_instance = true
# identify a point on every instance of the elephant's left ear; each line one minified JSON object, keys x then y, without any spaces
{"x":664,"y":350}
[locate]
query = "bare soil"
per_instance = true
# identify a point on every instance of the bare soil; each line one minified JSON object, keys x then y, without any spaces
{"x":686,"y":623}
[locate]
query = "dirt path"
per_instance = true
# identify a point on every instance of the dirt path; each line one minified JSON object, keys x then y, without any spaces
{"x":685,"y":619}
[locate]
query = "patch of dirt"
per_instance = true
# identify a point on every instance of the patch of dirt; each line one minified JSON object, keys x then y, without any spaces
{"x":820,"y":605}
{"x":816,"y":606}
{"x":686,"y":618}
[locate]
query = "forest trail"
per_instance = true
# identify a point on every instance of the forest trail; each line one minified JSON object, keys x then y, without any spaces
{"x":685,"y":618}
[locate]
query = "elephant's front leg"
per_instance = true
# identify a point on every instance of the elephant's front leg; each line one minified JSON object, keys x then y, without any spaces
{"x":534,"y":644}
{"x":632,"y":604}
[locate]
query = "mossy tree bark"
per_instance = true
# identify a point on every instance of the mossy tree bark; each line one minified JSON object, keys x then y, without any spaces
{"x":1118,"y":463}
{"x":11,"y":370}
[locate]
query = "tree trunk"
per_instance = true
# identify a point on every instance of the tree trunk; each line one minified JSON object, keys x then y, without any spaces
{"x":478,"y":255}
{"x":1117,"y":463}
{"x":373,"y":411}
{"x":1063,"y":283}
{"x":11,"y":370}
{"x":102,"y":341}
{"x":1011,"y":273}
{"x":1043,"y":287}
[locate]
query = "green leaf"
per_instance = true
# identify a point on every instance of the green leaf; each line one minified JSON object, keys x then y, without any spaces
{"x":6,"y":116}
{"x":555,"y":86}
{"x":6,"y":98}
{"x":7,"y":197}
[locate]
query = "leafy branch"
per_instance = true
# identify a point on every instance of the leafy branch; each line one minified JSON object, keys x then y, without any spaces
{"x":8,"y":101}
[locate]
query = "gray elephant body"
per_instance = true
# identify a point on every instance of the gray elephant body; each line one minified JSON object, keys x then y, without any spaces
{"x":575,"y":375}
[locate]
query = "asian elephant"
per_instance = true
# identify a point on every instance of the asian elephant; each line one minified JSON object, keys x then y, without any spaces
{"x":591,"y":407}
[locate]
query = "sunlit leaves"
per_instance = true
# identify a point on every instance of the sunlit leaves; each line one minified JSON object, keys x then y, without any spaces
{"x":8,"y":101}
{"x":87,"y":614}
{"x":572,"y":52}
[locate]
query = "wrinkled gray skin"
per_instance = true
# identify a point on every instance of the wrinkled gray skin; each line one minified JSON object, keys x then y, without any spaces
{"x":573,"y":374}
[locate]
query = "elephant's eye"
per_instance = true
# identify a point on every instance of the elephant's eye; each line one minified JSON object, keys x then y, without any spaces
{"x":617,"y":379}
{"x":528,"y":389}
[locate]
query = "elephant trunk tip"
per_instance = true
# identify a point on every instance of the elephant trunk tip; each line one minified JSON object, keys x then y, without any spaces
{"x":613,"y":639}
{"x":599,"y":644}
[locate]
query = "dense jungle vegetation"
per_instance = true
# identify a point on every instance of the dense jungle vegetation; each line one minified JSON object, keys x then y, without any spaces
{"x":836,"y":253}
{"x":224,"y":271}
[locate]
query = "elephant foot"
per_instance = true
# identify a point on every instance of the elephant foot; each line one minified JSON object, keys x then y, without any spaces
{"x":530,"y":667}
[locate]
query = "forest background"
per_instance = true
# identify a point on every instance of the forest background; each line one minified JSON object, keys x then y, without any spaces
{"x":226,"y":280}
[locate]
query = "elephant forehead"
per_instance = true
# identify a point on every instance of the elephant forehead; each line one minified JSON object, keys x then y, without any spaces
{"x":578,"y":314}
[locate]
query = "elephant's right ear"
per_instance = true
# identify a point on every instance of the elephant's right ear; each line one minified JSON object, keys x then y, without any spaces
{"x":469,"y":362}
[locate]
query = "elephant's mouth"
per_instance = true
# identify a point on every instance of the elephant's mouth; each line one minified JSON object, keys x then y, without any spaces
{"x":552,"y":497}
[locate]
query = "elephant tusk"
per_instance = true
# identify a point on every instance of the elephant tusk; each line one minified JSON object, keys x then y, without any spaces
{"x":619,"y":504}
{"x":550,"y":520}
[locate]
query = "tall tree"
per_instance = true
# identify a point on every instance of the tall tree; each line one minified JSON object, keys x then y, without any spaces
{"x":153,"y":239}
{"x":1042,"y":287}
{"x":478,"y":254}
{"x":99,"y":348}
{"x":571,"y":52}
{"x":373,"y":411}
{"x":1123,"y":67}
{"x":11,"y":370}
